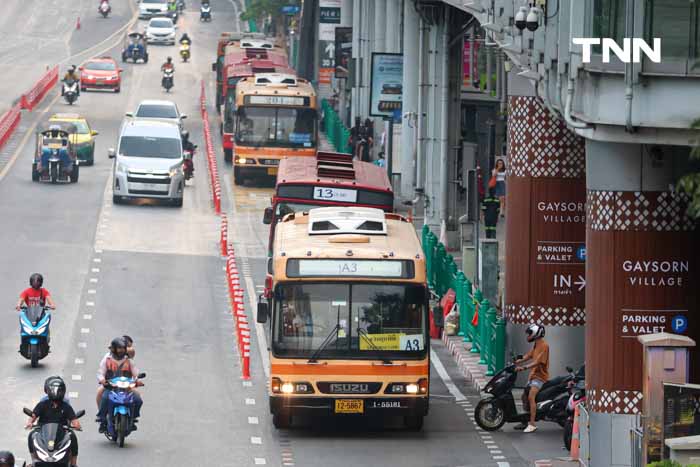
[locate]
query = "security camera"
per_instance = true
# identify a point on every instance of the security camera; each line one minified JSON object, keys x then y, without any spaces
{"x":533,"y":19}
{"x":521,"y":18}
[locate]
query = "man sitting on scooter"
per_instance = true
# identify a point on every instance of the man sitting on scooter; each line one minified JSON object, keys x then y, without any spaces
{"x":130,"y":352}
{"x":117,"y":364}
{"x":56,"y":410}
{"x":35,"y":295}
{"x":539,"y":374}
{"x":185,"y":39}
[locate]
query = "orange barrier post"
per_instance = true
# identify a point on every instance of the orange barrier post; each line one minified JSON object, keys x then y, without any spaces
{"x":77,"y":24}
{"x":224,"y":235}
{"x":575,"y":443}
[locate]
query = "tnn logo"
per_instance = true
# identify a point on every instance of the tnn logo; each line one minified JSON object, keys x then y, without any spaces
{"x":630,"y":52}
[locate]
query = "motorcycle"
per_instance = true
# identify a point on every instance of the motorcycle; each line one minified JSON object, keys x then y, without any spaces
{"x":578,"y":396}
{"x":180,"y":6}
{"x":119,"y":412}
{"x":167,"y":81}
{"x":105,"y":9}
{"x":363,"y":149}
{"x":34,"y":332}
{"x":185,"y":51}
{"x":51,"y":442}
{"x":188,"y":163}
{"x":70,"y":91}
{"x":493,"y":412}
{"x":205,"y":12}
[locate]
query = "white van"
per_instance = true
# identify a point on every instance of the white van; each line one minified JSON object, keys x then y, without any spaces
{"x":148,"y":162}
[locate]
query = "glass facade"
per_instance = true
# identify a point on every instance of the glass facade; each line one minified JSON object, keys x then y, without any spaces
{"x":608,"y":20}
{"x":672,"y":22}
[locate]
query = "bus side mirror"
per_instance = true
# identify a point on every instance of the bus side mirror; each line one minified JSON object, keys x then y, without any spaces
{"x":267,"y":216}
{"x":263,"y":312}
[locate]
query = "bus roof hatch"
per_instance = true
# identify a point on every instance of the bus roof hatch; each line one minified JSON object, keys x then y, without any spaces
{"x":342,"y":220}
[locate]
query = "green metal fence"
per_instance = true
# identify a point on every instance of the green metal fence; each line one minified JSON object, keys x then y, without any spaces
{"x":488,"y":336}
{"x":338,"y":135}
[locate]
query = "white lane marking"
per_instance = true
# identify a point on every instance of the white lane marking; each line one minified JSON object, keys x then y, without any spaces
{"x":84,"y":330}
{"x":259,"y":329}
{"x":73,"y":395}
{"x":97,"y":260}
{"x":89,"y":303}
{"x":253,"y":420}
{"x":95,"y":269}
{"x":87,"y":316}
{"x":82,"y":345}
{"x":435,"y":360}
{"x":245,"y":383}
{"x":503,"y":464}
{"x":500,"y":457}
{"x":79,"y":361}
{"x":249,"y":401}
{"x":255,"y":440}
{"x":259,"y":461}
{"x":495,"y":451}
{"x":92,"y":291}
{"x":93,"y":280}
{"x":76,"y":377}
{"x":98,"y":251}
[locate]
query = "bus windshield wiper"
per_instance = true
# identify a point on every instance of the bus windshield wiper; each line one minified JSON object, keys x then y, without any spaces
{"x":364,"y":334}
{"x":324,"y":344}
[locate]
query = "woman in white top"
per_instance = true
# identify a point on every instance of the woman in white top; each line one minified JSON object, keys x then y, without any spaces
{"x":500,"y":173}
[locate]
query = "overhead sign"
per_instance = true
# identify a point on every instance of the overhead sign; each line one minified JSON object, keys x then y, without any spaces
{"x":290,"y":9}
{"x":343,"y":51}
{"x":386,"y":84}
{"x":330,"y":15}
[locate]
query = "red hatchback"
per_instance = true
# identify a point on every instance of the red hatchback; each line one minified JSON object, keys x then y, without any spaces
{"x":100,"y":73}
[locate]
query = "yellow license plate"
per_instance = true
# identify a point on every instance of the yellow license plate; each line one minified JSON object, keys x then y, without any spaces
{"x":350,"y":406}
{"x":272,"y":171}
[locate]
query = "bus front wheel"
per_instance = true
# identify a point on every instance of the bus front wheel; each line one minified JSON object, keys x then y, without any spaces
{"x":281,"y":421}
{"x":414,"y":422}
{"x":237,"y":178}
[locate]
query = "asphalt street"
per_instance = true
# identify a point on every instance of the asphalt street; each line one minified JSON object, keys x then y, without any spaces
{"x":154,"y":272}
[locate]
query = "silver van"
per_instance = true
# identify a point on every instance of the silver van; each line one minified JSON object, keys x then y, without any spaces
{"x":148,"y":162}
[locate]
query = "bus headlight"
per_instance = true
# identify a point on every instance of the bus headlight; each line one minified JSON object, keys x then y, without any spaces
{"x":419,"y":387}
{"x":412,"y":388}
{"x":287,"y":388}
{"x":297,"y":387}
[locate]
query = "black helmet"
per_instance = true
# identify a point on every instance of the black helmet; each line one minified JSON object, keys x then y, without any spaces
{"x":7,"y":459}
{"x":49,"y":380}
{"x":117,"y":342}
{"x":56,"y":389}
{"x":534,"y":332}
{"x":170,"y":59}
{"x":36,"y":280}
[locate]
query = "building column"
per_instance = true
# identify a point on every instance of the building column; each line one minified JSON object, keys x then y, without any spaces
{"x":545,"y":229}
{"x":409,"y":142}
{"x":643,"y":272}
{"x":393,"y":21}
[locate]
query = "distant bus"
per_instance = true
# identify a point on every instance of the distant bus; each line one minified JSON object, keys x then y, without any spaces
{"x":329,"y":179}
{"x":348,"y":317}
{"x":276,"y":116}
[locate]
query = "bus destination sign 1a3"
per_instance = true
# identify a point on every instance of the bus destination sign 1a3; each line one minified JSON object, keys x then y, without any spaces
{"x":349,"y":268}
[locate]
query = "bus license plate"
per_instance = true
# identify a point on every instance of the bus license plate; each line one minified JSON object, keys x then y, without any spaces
{"x":349,"y":406}
{"x":272,"y":170}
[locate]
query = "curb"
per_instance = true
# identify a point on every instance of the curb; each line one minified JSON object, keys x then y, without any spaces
{"x":467,"y":362}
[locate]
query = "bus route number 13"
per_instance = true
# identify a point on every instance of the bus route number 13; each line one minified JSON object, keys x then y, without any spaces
{"x":335,"y":194}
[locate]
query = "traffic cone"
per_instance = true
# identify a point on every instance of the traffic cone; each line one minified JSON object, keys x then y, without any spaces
{"x":575,"y":436}
{"x":77,"y":24}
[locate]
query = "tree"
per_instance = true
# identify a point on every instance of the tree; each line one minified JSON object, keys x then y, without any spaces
{"x":690,"y":183}
{"x":259,"y":10}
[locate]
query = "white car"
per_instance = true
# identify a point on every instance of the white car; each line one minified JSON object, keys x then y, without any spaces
{"x":166,"y":111}
{"x":148,"y":8}
{"x":161,"y":31}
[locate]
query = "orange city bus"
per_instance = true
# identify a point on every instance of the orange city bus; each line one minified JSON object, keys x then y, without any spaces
{"x":348,"y":317}
{"x":329,"y":179}
{"x":276,"y":116}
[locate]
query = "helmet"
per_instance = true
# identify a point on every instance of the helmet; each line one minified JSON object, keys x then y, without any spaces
{"x":73,"y":68}
{"x":128,"y":340}
{"x":7,"y":459}
{"x":48,"y":382}
{"x":117,"y":342}
{"x":185,"y":135}
{"x":36,"y":280}
{"x":534,"y":332}
{"x":56,"y":389}
{"x":170,"y":59}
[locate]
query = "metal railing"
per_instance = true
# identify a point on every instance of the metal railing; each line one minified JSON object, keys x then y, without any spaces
{"x":338,"y":135}
{"x":488,"y":336}
{"x":637,"y":436}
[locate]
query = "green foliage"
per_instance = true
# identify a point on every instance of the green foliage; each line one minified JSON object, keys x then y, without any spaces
{"x":668,"y":463}
{"x":258,"y":10}
{"x":690,"y":183}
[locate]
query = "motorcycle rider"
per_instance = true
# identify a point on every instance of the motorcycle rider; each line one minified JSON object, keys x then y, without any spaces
{"x":7,"y":459}
{"x":70,"y":77}
{"x":47,"y":383}
{"x":187,"y":145}
{"x":538,"y":357}
{"x":130,"y":351}
{"x":168,"y":65}
{"x":102,"y":2}
{"x":116,"y":364}
{"x":56,"y":410}
{"x":35,"y":295}
{"x":185,"y":39}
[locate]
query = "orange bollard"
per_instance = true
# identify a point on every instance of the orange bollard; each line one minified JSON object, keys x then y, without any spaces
{"x":575,"y":446}
{"x":77,"y":24}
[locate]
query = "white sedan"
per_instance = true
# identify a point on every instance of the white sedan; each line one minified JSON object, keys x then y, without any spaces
{"x":161,"y":31}
{"x":158,"y":110}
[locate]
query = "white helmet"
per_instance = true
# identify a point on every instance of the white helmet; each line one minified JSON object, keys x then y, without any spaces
{"x":534,"y":332}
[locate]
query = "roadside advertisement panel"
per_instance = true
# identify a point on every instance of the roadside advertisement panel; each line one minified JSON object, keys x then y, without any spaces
{"x":386,"y":84}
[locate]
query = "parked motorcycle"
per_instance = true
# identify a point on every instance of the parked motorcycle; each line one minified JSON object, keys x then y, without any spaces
{"x":188,"y":163}
{"x":70,"y":91}
{"x":105,"y":9}
{"x":185,"y":51}
{"x":578,"y":396}
{"x":493,"y":412}
{"x":34,"y":331}
{"x":205,"y":12}
{"x":167,"y":81}
{"x":51,"y":442}
{"x":120,"y":409}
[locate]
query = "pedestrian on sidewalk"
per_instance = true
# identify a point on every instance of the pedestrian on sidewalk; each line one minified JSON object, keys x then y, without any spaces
{"x":490,"y":207}
{"x":538,"y":365}
{"x":500,"y":173}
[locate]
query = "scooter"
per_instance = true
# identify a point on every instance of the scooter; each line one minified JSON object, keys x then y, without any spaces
{"x":34,"y":331}
{"x":70,"y":91}
{"x":105,"y":9}
{"x":119,"y":412}
{"x":51,"y":442}
{"x":578,"y":396}
{"x":493,"y":412}
{"x":180,"y":6}
{"x":167,"y":81}
{"x":185,"y":51}
{"x":188,"y":164}
{"x":205,"y":12}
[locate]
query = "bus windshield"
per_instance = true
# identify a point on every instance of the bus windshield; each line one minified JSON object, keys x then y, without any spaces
{"x":278,"y":127}
{"x":360,"y":320}
{"x":288,"y":207}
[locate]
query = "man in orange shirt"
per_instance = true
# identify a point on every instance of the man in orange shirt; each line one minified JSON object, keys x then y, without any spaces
{"x":538,"y":359}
